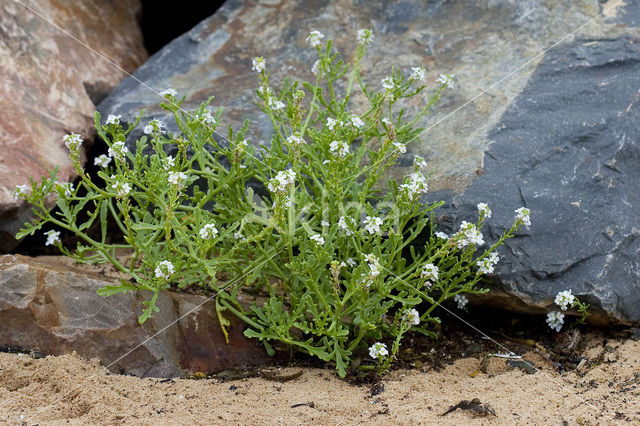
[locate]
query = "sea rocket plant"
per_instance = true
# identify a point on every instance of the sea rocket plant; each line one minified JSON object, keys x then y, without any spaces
{"x":348,"y":260}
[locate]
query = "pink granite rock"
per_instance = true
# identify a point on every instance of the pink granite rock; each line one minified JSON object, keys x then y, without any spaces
{"x":49,"y":83}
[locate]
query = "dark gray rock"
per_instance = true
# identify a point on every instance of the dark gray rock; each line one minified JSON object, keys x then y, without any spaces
{"x":53,"y":308}
{"x":568,"y":148}
{"x":561,"y":141}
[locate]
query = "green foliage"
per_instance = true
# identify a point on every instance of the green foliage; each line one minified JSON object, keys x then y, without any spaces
{"x":342,"y":256}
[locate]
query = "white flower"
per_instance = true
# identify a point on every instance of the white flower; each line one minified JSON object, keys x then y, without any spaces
{"x":411,"y":317}
{"x":555,"y":320}
{"x":314,"y":38}
{"x":400,"y":147}
{"x":372,"y":224}
{"x":154,"y":126}
{"x":484,"y":211}
{"x":494,"y":258}
{"x":72,"y":141}
{"x":460,"y":300}
{"x":418,"y":73}
{"x":316,"y":67}
{"x":351,"y":262}
{"x":66,"y":187}
{"x":318,"y":239}
{"x":282,"y":181}
{"x":102,"y":160}
{"x":388,"y":83}
{"x":378,"y":350}
{"x":356,"y":121}
{"x":238,"y":236}
{"x":342,"y":224}
{"x":485,"y":266}
{"x":207,"y":118}
{"x":565,"y":299}
{"x":324,"y":223}
{"x":164,"y":269}
{"x":113,"y":119}
{"x":446,"y":80}
{"x":168,"y":162}
{"x":523,"y":215}
{"x":420,"y":162}
{"x":295,"y":140}
{"x":259,"y":64}
{"x":468,"y":234}
{"x":20,"y":192}
{"x":442,"y":235}
{"x":387,"y":122}
{"x":332,"y":124}
{"x":371,"y":259}
{"x":374,"y":265}
{"x":365,"y":37}
{"x":415,"y":185}
{"x":275,"y":104}
{"x":122,"y":188}
{"x":208,"y":231}
{"x":52,"y":237}
{"x":118,"y":150}
{"x":176,"y":178}
{"x":169,"y":92}
{"x":430,"y":272}
{"x":339,"y":149}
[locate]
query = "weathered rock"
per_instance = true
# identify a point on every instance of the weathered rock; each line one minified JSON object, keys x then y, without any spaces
{"x":50,"y":83}
{"x":55,"y":310}
{"x":493,"y":51}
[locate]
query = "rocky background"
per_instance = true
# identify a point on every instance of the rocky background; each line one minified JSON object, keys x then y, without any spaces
{"x":544,"y":113}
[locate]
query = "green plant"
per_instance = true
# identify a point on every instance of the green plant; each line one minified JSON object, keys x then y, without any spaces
{"x":347,"y":259}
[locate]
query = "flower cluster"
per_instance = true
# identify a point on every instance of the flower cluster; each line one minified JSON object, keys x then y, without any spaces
{"x":565,"y":299}
{"x":153,"y":127}
{"x":374,"y":265}
{"x":430,"y":272}
{"x":333,"y":124}
{"x":176,"y":178}
{"x":168,"y":163}
{"x":208,"y":231}
{"x":388,"y":83}
{"x":484,"y":211}
{"x":259,"y":64}
{"x":555,"y":320}
{"x":402,"y":148}
{"x":207,"y":119}
{"x":72,"y":141}
{"x":339,"y":149}
{"x":461,"y":300}
{"x":372,"y":224}
{"x":485,"y":265}
{"x":295,"y":140}
{"x":164,"y":270}
{"x":446,"y":80}
{"x":415,"y":185}
{"x":118,"y":150}
{"x":365,"y":37}
{"x":20,"y":192}
{"x":378,"y":350}
{"x":64,"y":189}
{"x":314,"y":38}
{"x":418,"y":74}
{"x":420,"y":162}
{"x":113,"y":120}
{"x":53,"y":237}
{"x":170,"y":92}
{"x":122,"y":188}
{"x":102,"y":160}
{"x":342,"y":224}
{"x":468,"y":235}
{"x":356,"y":121}
{"x":318,"y":239}
{"x":283,"y":180}
{"x":411,"y":317}
{"x":523,"y":215}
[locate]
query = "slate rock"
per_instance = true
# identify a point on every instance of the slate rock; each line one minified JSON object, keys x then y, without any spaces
{"x":568,"y":148}
{"x":50,"y":84}
{"x":53,"y":309}
{"x":493,"y":49}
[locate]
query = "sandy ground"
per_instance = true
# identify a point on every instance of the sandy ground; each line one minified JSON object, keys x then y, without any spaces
{"x":69,"y":390}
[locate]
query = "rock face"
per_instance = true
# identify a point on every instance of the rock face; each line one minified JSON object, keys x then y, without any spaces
{"x":565,"y":102}
{"x":55,"y":310}
{"x":50,"y":83}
